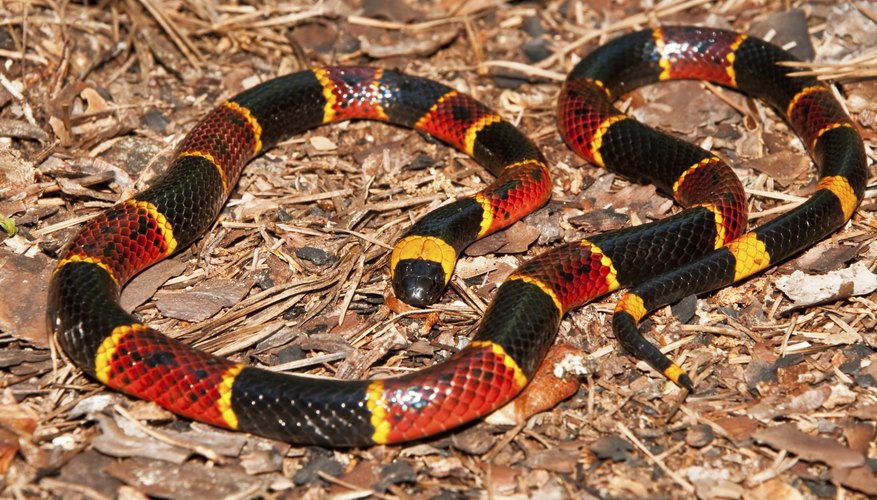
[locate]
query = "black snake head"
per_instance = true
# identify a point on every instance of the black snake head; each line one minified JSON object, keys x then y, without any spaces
{"x":419,"y":282}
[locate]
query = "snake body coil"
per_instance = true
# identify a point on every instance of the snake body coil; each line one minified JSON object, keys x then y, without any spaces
{"x":699,"y":249}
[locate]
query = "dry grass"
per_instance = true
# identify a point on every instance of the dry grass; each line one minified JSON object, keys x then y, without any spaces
{"x":93,"y":96}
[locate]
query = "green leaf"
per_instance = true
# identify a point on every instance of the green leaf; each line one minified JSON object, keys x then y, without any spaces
{"x":7,"y":224}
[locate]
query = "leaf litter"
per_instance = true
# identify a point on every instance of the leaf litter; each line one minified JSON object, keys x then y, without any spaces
{"x":93,"y":98}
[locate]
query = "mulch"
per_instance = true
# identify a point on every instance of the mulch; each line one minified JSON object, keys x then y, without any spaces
{"x":94,"y":96}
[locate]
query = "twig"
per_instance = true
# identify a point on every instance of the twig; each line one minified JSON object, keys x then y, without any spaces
{"x":526,"y":69}
{"x":506,"y":439}
{"x":204,"y":451}
{"x":247,"y":340}
{"x":660,"y":463}
{"x":388,"y":25}
{"x":365,"y":237}
{"x":355,"y":491}
{"x":64,"y":224}
{"x":287,"y":20}
{"x":182,"y":43}
{"x":627,"y":22}
{"x":776,"y":195}
{"x":307,"y":362}
{"x":718,"y":92}
{"x":80,"y":489}
{"x":351,"y":291}
{"x":405,"y":203}
{"x":307,"y":198}
{"x":8,"y":54}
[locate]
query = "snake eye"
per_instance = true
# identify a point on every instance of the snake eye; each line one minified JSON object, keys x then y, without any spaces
{"x":418,"y":282}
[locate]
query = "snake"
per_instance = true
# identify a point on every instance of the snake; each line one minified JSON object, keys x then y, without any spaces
{"x":700,"y":248}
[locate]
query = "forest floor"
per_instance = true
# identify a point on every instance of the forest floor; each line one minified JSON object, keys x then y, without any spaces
{"x":94,"y":97}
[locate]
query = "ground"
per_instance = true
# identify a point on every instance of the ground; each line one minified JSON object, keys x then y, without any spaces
{"x":95,"y":95}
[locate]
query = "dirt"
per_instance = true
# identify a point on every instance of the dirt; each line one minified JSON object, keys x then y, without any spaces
{"x":95,"y":95}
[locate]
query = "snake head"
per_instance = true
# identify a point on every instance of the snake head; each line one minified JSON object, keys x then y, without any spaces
{"x":419,"y":282}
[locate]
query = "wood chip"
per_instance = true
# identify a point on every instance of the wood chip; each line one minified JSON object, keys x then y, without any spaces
{"x":815,"y":448}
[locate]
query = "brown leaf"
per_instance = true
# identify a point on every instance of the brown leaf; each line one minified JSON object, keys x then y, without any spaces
{"x":393,"y":10}
{"x":858,"y":478}
{"x":784,"y":167}
{"x":824,"y":257}
{"x":396,"y":305}
{"x":681,"y":106}
{"x":86,"y":469}
{"x":787,"y":28}
{"x":504,"y":478}
{"x":516,"y":239}
{"x":318,"y":36}
{"x":25,"y":317}
{"x":806,"y":290}
{"x":116,"y":441}
{"x":775,"y":488}
{"x":189,"y":480}
{"x":487,"y":245}
{"x":859,"y":436}
{"x":864,"y":411}
{"x":739,"y":428}
{"x":474,"y":441}
{"x":17,"y":423}
{"x":204,"y":300}
{"x":643,"y":200}
{"x":262,"y":461}
{"x":144,"y":286}
{"x":553,"y":460}
{"x":814,"y":448}
{"x":519,"y":237}
{"x":365,"y":475}
{"x":599,"y":220}
{"x":423,"y":46}
{"x":447,"y":467}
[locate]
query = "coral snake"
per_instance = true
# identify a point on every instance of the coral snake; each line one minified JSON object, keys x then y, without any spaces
{"x":701,"y":248}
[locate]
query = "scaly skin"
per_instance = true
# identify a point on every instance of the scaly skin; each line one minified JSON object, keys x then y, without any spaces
{"x":698,"y":249}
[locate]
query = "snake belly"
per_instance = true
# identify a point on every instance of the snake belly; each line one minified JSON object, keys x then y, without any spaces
{"x":521,"y":322}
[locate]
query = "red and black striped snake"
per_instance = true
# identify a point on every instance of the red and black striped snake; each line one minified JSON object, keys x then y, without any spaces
{"x":697,"y":250}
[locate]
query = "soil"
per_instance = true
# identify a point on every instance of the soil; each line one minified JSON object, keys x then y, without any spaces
{"x":94,"y":96}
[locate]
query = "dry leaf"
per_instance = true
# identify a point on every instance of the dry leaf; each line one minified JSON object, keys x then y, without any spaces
{"x":321,"y":143}
{"x":806,"y":290}
{"x":813,"y":448}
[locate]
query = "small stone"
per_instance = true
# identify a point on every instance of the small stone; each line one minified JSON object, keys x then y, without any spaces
{"x":317,"y":211}
{"x":699,"y":436}
{"x":684,"y":309}
{"x":155,"y":121}
{"x":289,"y":354}
{"x":317,"y":462}
{"x":372,"y":298}
{"x":612,"y":447}
{"x":533,"y":27}
{"x":400,"y":471}
{"x":421,"y":162}
{"x":263,"y":280}
{"x":536,"y":50}
{"x":283,"y":215}
{"x":262,"y":461}
{"x":316,"y":255}
{"x":507,"y":81}
{"x":474,"y":441}
{"x":293,"y":312}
